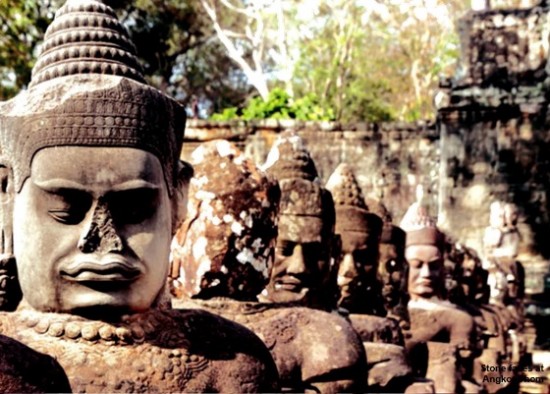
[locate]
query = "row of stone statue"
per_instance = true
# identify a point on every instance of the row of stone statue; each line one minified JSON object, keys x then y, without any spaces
{"x":272,"y":282}
{"x":407,"y":292}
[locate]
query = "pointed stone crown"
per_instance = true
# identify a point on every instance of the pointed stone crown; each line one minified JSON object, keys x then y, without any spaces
{"x":87,"y":90}
{"x":391,"y":234}
{"x":291,"y":164}
{"x":345,"y":189}
{"x":421,"y":229}
{"x":352,"y":214}
{"x":86,"y":38}
{"x":289,"y":159}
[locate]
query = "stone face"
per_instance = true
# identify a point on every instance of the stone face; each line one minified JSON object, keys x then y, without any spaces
{"x":303,"y":267}
{"x":359,"y":231}
{"x":90,"y":160}
{"x":233,"y":210}
{"x":226,"y":245}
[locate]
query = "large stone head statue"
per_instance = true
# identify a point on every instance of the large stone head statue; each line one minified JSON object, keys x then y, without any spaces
{"x":226,"y":246}
{"x":424,"y":252}
{"x":302,"y":272}
{"x":93,"y":159}
{"x":359,"y":231}
{"x":392,"y":266}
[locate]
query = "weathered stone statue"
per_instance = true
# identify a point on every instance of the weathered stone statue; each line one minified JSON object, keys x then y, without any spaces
{"x":223,"y":256}
{"x":303,"y":271}
{"x":359,"y":231}
{"x":392,"y":266}
{"x":445,"y":331}
{"x":23,"y":370}
{"x":471,"y":279}
{"x":10,"y":291}
{"x":360,"y":288}
{"x":501,"y":243}
{"x":98,"y":190}
{"x":506,"y":274}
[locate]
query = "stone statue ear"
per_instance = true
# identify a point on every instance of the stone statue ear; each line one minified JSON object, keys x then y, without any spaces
{"x":10,"y":291}
{"x":181,"y":192}
{"x":6,"y":209}
{"x":336,"y":250}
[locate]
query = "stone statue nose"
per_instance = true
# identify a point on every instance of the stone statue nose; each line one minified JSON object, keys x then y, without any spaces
{"x":100,"y":235}
{"x":297,"y":262}
{"x":348,"y":268}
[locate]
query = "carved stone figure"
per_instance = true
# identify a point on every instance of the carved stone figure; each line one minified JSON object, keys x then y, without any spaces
{"x":225,"y":247}
{"x":23,"y":370}
{"x":223,"y":256}
{"x":98,"y":192}
{"x":10,"y":291}
{"x":392,"y":266}
{"x":501,"y":243}
{"x":359,"y":231}
{"x":506,"y":274}
{"x":471,"y":279}
{"x":432,"y":318}
{"x":360,"y":288}
{"x":303,"y":271}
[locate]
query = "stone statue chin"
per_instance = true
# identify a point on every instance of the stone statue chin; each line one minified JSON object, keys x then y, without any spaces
{"x":92,"y":159}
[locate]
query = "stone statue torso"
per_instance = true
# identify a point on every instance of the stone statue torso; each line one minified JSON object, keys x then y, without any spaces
{"x":157,"y":351}
{"x":313,"y":349}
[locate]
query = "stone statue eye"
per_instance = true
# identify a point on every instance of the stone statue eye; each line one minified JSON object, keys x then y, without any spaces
{"x":69,"y":206}
{"x":285,"y":248}
{"x":391,"y":265}
{"x":133,"y":206}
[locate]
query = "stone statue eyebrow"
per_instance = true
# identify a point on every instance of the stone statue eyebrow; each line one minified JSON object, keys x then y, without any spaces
{"x":58,"y":184}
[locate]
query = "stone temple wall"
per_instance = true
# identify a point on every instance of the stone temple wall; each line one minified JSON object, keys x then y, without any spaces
{"x":494,"y":121}
{"x":491,"y":140}
{"x":389,"y":160}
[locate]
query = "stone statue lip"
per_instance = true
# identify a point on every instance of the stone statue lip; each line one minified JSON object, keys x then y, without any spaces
{"x":106,"y":269}
{"x":424,"y":282}
{"x":344,"y":281}
{"x":289,"y":283}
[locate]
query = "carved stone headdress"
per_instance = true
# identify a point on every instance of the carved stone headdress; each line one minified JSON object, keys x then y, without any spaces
{"x":421,"y":229}
{"x":303,"y":198}
{"x":87,"y":89}
{"x":352,"y":214}
{"x":391,"y":234}
{"x":225,"y":248}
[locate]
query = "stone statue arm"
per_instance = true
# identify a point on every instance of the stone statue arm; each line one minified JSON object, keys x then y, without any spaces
{"x":337,"y":361}
{"x":239,"y":360}
{"x":245,"y":373}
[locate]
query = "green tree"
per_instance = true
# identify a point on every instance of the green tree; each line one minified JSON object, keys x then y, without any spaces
{"x":174,"y":40}
{"x":23,"y":23}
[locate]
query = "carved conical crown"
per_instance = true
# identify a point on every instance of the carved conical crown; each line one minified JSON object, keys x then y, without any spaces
{"x":289,"y":159}
{"x":352,"y":213}
{"x":86,"y":38}
{"x":344,"y":188}
{"x":87,"y":90}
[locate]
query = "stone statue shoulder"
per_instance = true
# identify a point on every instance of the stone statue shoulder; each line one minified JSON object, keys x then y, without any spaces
{"x":377,"y":329}
{"x":442,"y":317}
{"x":23,"y":370}
{"x":157,"y":351}
{"x":321,"y":347}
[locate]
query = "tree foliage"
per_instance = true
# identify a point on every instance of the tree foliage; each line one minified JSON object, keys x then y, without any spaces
{"x":351,"y":60}
{"x":174,"y":41}
{"x":22,"y":26}
{"x":278,"y":105}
